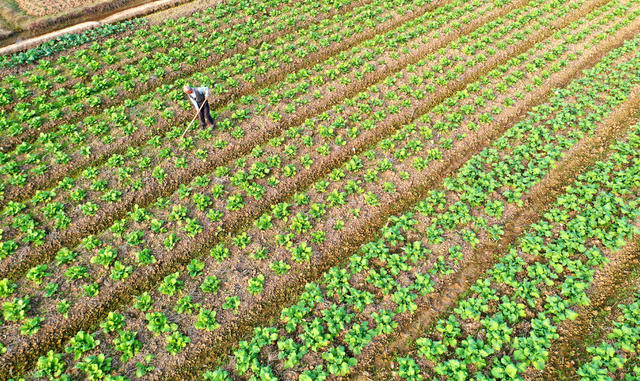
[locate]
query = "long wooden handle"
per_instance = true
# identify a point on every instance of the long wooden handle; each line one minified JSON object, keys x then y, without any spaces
{"x":192,"y":120}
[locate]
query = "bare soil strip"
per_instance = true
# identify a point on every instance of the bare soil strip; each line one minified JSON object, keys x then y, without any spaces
{"x":541,"y":197}
{"x":610,"y":284}
{"x":29,"y":256}
{"x":85,"y":316}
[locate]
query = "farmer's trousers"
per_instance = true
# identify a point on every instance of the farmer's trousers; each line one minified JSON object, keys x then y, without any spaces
{"x":205,"y":113}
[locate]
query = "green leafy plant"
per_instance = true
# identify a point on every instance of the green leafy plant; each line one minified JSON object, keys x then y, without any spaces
{"x":127,"y":344}
{"x":338,"y":363}
{"x":231,"y":303}
{"x":176,"y":342}
{"x":15,"y":310}
{"x":95,"y":367}
{"x":256,"y":284}
{"x":211,"y":284}
{"x":79,"y":344}
{"x":113,"y":323}
{"x":50,"y":366}
{"x":206,"y":320}
{"x":158,"y":323}
{"x":142,"y":368}
{"x":171,"y":284}
{"x":31,"y":326}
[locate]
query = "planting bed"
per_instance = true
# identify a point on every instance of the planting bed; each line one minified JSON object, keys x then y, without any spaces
{"x":393,"y":189}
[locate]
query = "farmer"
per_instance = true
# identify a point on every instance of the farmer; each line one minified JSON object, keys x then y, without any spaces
{"x":199,"y":97}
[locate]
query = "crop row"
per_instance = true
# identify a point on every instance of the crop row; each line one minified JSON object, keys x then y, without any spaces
{"x":121,"y":180}
{"x":191,"y":286}
{"x":68,"y":41}
{"x":616,"y":355}
{"x":506,"y":323}
{"x":102,"y":74}
{"x":288,"y":240}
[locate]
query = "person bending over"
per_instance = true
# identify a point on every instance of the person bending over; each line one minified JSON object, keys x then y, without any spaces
{"x":199,"y":97}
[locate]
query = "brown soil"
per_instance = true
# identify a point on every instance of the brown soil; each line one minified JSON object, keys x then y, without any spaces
{"x":5,"y":33}
{"x":44,"y":8}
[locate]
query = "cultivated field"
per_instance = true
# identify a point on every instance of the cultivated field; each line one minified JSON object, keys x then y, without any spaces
{"x":395,"y":189}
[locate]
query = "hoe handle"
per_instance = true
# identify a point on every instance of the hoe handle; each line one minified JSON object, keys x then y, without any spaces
{"x":194,"y":118}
